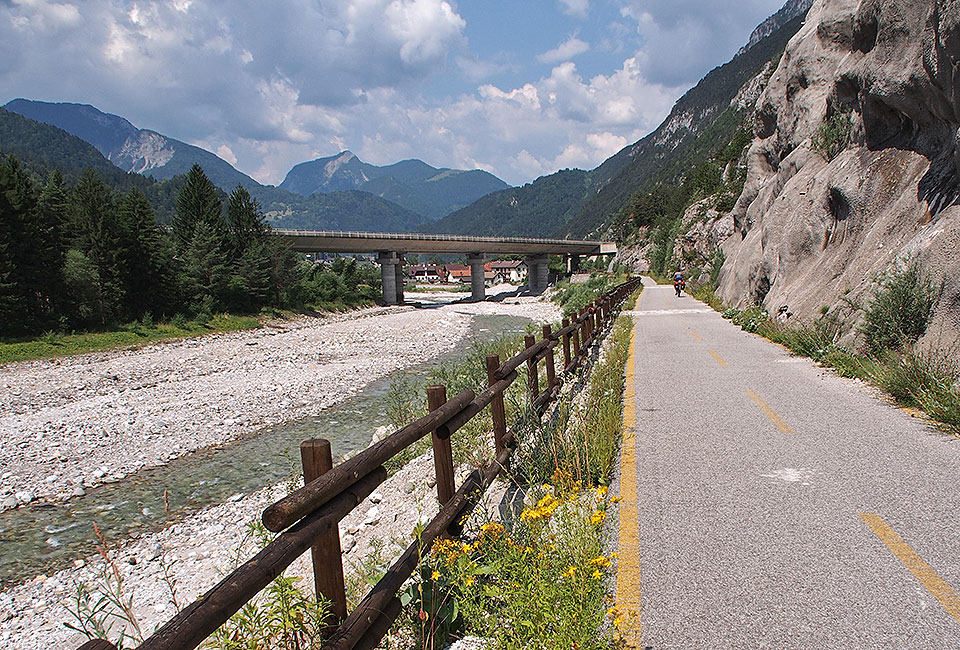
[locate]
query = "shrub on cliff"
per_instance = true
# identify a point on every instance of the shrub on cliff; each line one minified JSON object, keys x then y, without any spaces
{"x":901,"y":309}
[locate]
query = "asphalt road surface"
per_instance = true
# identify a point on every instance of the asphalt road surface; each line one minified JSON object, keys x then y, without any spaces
{"x":780,"y":506}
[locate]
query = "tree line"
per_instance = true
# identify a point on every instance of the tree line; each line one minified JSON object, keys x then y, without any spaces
{"x":88,"y":257}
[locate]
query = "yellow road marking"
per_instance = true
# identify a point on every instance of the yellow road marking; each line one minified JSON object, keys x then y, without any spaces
{"x":770,"y":413}
{"x":695,"y":336}
{"x":717,"y":357}
{"x":628,"y":553}
{"x":922,"y":571}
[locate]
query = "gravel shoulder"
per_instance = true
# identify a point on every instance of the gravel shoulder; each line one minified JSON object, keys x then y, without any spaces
{"x":117,"y":412}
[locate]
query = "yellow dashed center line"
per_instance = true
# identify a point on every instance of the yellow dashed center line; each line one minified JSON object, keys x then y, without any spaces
{"x":922,"y":571}
{"x":695,"y":336}
{"x":770,"y":413}
{"x":718,"y":358}
{"x":628,"y":553}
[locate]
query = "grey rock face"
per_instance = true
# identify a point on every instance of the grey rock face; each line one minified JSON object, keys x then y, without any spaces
{"x":811,"y":231}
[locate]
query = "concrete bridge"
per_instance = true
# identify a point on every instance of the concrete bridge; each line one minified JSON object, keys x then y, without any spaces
{"x":391,"y":247}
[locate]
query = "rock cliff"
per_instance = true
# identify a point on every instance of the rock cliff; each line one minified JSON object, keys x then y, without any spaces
{"x":855,"y":163}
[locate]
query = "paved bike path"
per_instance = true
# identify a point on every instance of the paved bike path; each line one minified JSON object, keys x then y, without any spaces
{"x":780,"y":506}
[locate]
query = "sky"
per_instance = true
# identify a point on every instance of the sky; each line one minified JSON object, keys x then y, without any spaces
{"x":519,"y":88}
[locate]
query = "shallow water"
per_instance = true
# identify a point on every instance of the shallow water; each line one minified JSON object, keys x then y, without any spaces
{"x":45,"y":537}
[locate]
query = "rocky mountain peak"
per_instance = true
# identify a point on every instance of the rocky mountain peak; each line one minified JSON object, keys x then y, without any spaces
{"x":787,"y":12}
{"x":337,"y":162}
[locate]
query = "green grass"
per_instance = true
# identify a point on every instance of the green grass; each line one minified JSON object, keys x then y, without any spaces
{"x":130,"y":336}
{"x":539,"y":579}
{"x":572,"y":297}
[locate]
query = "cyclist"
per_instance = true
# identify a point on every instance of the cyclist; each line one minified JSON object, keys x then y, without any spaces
{"x":678,"y":283}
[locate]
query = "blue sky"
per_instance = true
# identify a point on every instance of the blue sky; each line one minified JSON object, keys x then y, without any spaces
{"x":518,"y":88}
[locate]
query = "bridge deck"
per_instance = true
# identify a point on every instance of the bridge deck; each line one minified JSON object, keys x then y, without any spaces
{"x":314,"y":241}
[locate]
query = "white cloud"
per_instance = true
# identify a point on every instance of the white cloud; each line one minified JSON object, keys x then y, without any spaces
{"x":576,"y":7}
{"x":570,"y":48}
{"x":684,"y":39}
{"x":226,"y":153}
{"x":273,"y":84}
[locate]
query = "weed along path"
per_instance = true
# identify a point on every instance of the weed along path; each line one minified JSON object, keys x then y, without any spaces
{"x":778,"y":505}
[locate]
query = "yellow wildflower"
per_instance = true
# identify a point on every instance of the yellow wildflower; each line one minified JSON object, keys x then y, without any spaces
{"x":435,"y":575}
{"x":468,"y":581}
{"x":597,"y":517}
{"x":569,"y":573}
{"x":596,"y":574}
{"x":615,"y":499}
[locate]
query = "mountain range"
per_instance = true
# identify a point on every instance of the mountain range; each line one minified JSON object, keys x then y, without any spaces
{"x":340,"y":192}
{"x":413,"y":184}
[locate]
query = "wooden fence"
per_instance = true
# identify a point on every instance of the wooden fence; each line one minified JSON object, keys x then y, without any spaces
{"x":308,"y":518}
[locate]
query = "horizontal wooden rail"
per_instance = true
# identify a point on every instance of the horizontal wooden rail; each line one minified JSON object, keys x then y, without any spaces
{"x":316,"y":509}
{"x":517,"y":361}
{"x":314,"y":494}
{"x":376,"y":601}
{"x":200,"y":619}
{"x":475,"y":406}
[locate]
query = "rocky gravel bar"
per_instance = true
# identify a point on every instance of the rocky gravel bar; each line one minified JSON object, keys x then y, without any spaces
{"x":67,"y":424}
{"x":73,"y":423}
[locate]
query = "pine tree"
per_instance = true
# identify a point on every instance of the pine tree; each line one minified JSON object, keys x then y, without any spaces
{"x":247,"y":227}
{"x":198,"y":202}
{"x":11,"y":298}
{"x":47,"y":263}
{"x":148,"y":271}
{"x":97,"y":232}
{"x":204,"y":273}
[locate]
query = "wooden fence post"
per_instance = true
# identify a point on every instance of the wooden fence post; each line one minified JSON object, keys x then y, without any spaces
{"x":442,"y":449}
{"x":551,"y":368}
{"x":566,"y":343}
{"x":317,"y":460}
{"x":533,"y":383}
{"x":576,"y":338}
{"x":497,"y":410}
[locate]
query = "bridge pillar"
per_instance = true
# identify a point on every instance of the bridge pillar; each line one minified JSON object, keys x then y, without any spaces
{"x":573,"y":263}
{"x":390,"y":272}
{"x":537,"y":272}
{"x":479,"y":290}
{"x":400,"y":279}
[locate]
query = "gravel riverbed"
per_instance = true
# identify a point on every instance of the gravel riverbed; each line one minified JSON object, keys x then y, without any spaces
{"x":72,"y":423}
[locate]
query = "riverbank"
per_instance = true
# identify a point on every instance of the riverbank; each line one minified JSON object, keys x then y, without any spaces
{"x":226,"y":371}
{"x":72,"y":423}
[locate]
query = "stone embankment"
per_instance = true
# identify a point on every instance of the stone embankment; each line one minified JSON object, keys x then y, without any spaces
{"x":94,"y":418}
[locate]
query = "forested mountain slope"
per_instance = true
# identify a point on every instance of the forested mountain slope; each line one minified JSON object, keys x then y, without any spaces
{"x":588,"y":203}
{"x":668,"y":152}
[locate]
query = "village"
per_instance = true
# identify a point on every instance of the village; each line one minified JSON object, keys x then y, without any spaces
{"x":494,"y":273}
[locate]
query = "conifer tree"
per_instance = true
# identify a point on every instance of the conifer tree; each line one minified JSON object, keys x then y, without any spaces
{"x":148,"y":272}
{"x":204,"y":273}
{"x":247,"y":227}
{"x":98,"y":233}
{"x":198,"y":202}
